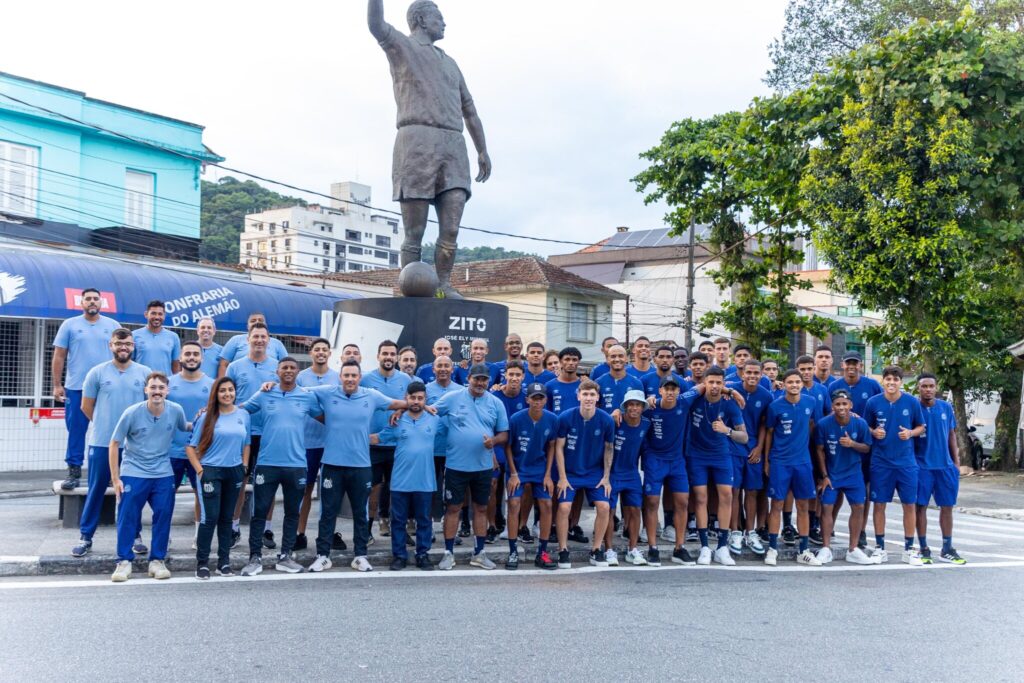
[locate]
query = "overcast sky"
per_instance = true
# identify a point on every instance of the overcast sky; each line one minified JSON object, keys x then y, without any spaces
{"x":569,"y":91}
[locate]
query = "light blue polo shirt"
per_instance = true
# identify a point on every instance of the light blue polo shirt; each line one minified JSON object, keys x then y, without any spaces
{"x":230,"y":437}
{"x":114,"y":391}
{"x":211,"y":360}
{"x":315,"y":430}
{"x":88,"y":345}
{"x":414,"y":453}
{"x":238,"y":348}
{"x":395,"y":387}
{"x":283,"y":443}
{"x":147,"y":438}
{"x":347,"y":418}
{"x":192,"y":397}
{"x":249,"y":376}
{"x":156,"y":351}
{"x":470,"y":419}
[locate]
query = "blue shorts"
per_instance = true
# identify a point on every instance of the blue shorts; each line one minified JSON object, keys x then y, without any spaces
{"x":943,"y":484}
{"x":737,"y":471}
{"x":703,"y":472}
{"x":539,"y":492}
{"x":753,"y":475}
{"x":853,"y":488}
{"x":887,"y":480}
{"x":865,"y":468}
{"x":595,"y":494}
{"x":799,"y":479}
{"x":182,"y":467}
{"x":313,"y":458}
{"x":631,"y":491}
{"x":660,"y":472}
{"x":499,"y":472}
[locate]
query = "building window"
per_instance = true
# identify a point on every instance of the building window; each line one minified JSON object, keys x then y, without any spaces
{"x":316,"y":243}
{"x":339,"y":266}
{"x":327,"y":264}
{"x":316,"y":259}
{"x":355,"y":266}
{"x":352,"y":236}
{"x":582,"y":321}
{"x":380,"y":254}
{"x":383,"y":241}
{"x":355,"y":250}
{"x":248,"y":247}
{"x":273,"y":244}
{"x":327,"y":247}
{"x":339,"y":250}
{"x":138,"y":199}
{"x":287,"y":260}
{"x":284,"y":224}
{"x":392,"y":259}
{"x":288,"y":242}
{"x":19,"y":178}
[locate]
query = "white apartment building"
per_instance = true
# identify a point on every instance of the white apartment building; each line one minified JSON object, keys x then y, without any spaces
{"x":348,"y":236}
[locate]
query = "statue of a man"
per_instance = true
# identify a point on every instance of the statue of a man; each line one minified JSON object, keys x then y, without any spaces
{"x":431,"y":164}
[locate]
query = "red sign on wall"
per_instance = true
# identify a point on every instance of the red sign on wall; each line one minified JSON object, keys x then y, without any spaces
{"x":73,"y":300}
{"x":37,"y":414}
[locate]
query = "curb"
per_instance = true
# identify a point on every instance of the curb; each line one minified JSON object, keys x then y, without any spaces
{"x":30,"y":493}
{"x":1011,"y":514}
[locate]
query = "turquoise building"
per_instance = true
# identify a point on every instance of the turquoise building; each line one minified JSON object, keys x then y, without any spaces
{"x":72,"y":159}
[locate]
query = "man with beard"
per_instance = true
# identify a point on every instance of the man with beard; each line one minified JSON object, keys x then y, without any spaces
{"x":157,"y":347}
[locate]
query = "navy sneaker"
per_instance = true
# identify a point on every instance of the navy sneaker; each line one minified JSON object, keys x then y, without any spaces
{"x":423,"y":563}
{"x":301,"y":542}
{"x":140,"y":548}
{"x":268,"y":540}
{"x":83,"y":548}
{"x":202,"y":572}
{"x":653,"y":557}
{"x":789,"y":535}
{"x":236,"y":536}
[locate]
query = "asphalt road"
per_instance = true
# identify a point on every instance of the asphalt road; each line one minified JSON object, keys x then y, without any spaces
{"x":841,"y":623}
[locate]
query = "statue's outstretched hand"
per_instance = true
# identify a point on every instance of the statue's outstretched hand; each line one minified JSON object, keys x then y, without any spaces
{"x":484,"y":161}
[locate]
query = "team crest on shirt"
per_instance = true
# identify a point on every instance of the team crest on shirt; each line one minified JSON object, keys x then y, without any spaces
{"x":863,"y":394}
{"x":906,"y":412}
{"x":757,"y":405}
{"x":944,"y":416}
{"x":597,"y":432}
{"x":679,"y":412}
{"x":807,"y":411}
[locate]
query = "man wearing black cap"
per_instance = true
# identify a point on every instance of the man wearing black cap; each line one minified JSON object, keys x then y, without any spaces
{"x":477,"y":424}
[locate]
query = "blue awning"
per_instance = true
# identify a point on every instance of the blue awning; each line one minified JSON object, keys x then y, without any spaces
{"x":49,"y":286}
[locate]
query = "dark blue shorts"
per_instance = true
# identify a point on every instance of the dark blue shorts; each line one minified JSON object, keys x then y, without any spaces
{"x":660,"y":472}
{"x":631,"y":491}
{"x":702,"y":473}
{"x":738,"y":467}
{"x":753,"y":475}
{"x":313,"y":458}
{"x":182,"y":467}
{"x":853,"y":488}
{"x":888,"y":480}
{"x":539,"y":493}
{"x":943,"y":484}
{"x":595,"y":494}
{"x":799,"y":479}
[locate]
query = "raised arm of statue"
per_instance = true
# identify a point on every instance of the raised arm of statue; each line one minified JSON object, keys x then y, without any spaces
{"x":375,"y":19}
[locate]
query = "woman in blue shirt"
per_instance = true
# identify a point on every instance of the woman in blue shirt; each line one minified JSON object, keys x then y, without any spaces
{"x":219,"y":453}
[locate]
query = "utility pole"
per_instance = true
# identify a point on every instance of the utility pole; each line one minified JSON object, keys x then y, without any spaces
{"x":627,"y":321}
{"x":689,"y":289}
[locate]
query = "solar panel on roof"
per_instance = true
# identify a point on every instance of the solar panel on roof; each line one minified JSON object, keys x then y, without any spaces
{"x":658,"y":237}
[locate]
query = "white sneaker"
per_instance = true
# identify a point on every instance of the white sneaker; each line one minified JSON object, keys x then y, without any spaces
{"x":753,"y":542}
{"x":122,"y":572}
{"x":504,"y":534}
{"x":808,"y":559}
{"x":643,"y":534}
{"x":159,"y":570}
{"x":611,"y":557}
{"x":447,"y":562}
{"x":912,"y":558}
{"x":669,"y":534}
{"x":195,"y":538}
{"x":361,"y":564}
{"x":858,"y":556}
{"x":320,"y":564}
{"x":736,"y":542}
{"x":879,"y":555}
{"x":723,"y":556}
{"x":635,"y":557}
{"x":481,"y":560}
{"x":705,"y":556}
{"x":825,"y":555}
{"x":771,"y":557}
{"x":536,"y":530}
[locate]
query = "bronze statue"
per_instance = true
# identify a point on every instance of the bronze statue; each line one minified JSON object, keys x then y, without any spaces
{"x":431,"y":164}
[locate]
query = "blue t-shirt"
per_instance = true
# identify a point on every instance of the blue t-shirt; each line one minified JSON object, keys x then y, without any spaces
{"x":753,"y":412}
{"x":192,"y":397}
{"x":629,"y":443}
{"x":528,"y":441}
{"x":414,"y":452}
{"x":667,"y":436}
{"x":634,"y":371}
{"x":283,"y":443}
{"x":904,"y":412}
{"x":211,"y":360}
{"x":426,"y":374}
{"x":704,"y":444}
{"x":238,"y":348}
{"x":230,"y":437}
{"x":347,"y":418}
{"x":613,"y":391}
{"x":562,"y":395}
{"x":498,"y":371}
{"x":790,"y":424}
{"x":843,"y":463}
{"x":249,"y":377}
{"x":652,"y":383}
{"x":860,"y":392}
{"x":599,"y":370}
{"x":932,"y":447}
{"x":820,"y":394}
{"x":146,"y":439}
{"x":156,"y":351}
{"x":114,"y":390}
{"x":512,"y":405}
{"x":394,"y":387}
{"x":88,"y":345}
{"x":585,"y":440}
{"x":469,"y":420}
{"x":543,"y":377}
{"x":307,"y":379}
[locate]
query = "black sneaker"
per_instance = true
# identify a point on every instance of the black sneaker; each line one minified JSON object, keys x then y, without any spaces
{"x":512,"y":562}
{"x":202,"y":572}
{"x":681,"y":556}
{"x":301,"y":542}
{"x":816,"y":538}
{"x":398,"y":564}
{"x":789,"y":535}
{"x":70,"y":482}
{"x":576,"y":535}
{"x":337,"y":542}
{"x":564,"y":559}
{"x":525,"y":536}
{"x":862,"y":540}
{"x":225,"y":571}
{"x":616,"y":522}
{"x":543,"y":560}
{"x":553,"y":536}
{"x":653,"y":557}
{"x":465,"y":531}
{"x":236,"y":536}
{"x":268,"y":540}
{"x":423,"y":562}
{"x":597,"y":558}
{"x":926,"y":555}
{"x":492,"y":535}
{"x":952,"y":556}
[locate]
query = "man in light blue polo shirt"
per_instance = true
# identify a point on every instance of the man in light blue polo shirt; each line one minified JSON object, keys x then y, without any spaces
{"x":238,"y":346}
{"x":145,"y":475}
{"x":345,"y":469}
{"x":157,"y":347}
{"x":206,"y":329}
{"x":84,"y":342}
{"x":190,"y":389}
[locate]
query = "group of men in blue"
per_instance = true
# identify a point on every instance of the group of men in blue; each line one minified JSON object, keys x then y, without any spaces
{"x":723,"y":447}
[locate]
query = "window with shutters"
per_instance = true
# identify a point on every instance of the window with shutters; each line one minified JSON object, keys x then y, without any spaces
{"x":19,"y":178}
{"x":138,"y":199}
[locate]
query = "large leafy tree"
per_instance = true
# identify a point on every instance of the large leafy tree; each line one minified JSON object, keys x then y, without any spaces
{"x":470,"y":254}
{"x":224,"y":206}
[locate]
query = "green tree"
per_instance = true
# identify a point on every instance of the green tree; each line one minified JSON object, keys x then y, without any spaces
{"x":224,"y":206}
{"x":469,"y":254}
